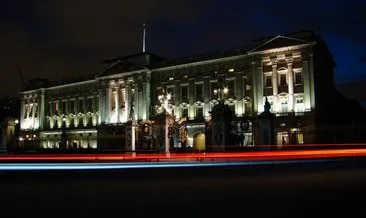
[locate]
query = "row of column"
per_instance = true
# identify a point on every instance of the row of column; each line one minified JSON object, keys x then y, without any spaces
{"x":36,"y":105}
{"x":290,"y":83}
{"x":127,"y":100}
{"x":258,"y":84}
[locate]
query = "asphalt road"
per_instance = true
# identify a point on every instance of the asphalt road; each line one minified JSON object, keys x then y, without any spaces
{"x":305,"y":190}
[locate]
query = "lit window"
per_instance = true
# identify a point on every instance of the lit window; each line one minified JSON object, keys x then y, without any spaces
{"x":300,"y":138}
{"x":284,"y":106}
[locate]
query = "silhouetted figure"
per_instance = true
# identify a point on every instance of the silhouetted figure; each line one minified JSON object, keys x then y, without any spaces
{"x":241,"y":139}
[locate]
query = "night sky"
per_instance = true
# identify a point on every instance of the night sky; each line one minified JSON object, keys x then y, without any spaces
{"x":66,"y":38}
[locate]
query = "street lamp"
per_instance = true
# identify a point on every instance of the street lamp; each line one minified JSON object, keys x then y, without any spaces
{"x":221,"y":93}
{"x":164,"y":100}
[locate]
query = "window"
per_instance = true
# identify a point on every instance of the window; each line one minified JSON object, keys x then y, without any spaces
{"x":48,"y":109}
{"x":81,"y":105}
{"x":72,"y":106}
{"x":64,"y":109}
{"x":283,"y":105}
{"x":298,"y":78}
{"x":299,"y":107}
{"x":199,"y":92}
{"x":300,"y":138}
{"x":184,"y":90}
{"x":268,"y":81}
{"x":283,"y":80}
{"x":90,"y":104}
{"x":184,"y":112}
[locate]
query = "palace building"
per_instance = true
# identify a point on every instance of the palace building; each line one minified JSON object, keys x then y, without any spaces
{"x":294,"y":72}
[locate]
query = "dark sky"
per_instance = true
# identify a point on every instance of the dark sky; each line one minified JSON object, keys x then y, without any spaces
{"x":66,"y":38}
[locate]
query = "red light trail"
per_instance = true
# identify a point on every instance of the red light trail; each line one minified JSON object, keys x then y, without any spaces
{"x":216,"y":156}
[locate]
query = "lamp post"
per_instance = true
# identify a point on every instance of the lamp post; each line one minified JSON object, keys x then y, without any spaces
{"x":221,"y":92}
{"x":166,"y":111}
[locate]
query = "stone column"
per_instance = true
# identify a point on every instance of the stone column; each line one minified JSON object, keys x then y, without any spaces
{"x":239,"y":94}
{"x":206,"y":95}
{"x":136,"y":101}
{"x":275,"y":84}
{"x":312,"y":81}
{"x":22,"y":111}
{"x":100,"y":106}
{"x":191,"y":99}
{"x":108,"y":104}
{"x":306,"y":82}
{"x":41,"y":114}
{"x":127,"y":100}
{"x":34,"y":108}
{"x":145,"y":107}
{"x":290,"y":80}
{"x":178,"y":110}
{"x":254,"y":88}
{"x":259,"y":75}
{"x":116,"y":102}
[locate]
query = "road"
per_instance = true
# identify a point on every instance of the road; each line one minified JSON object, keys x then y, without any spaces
{"x":309,"y":153}
{"x":293,"y":190}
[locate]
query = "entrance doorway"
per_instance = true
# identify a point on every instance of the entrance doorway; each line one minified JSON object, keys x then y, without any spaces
{"x":282,"y":139}
{"x":199,"y":141}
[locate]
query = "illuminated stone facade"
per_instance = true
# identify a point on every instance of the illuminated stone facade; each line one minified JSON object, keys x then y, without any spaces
{"x":280,"y":68}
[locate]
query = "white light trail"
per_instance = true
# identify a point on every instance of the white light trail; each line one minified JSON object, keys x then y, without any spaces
{"x":111,"y":166}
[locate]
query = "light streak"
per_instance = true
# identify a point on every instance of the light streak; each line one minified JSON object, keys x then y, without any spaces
{"x":111,"y":166}
{"x":253,"y":155}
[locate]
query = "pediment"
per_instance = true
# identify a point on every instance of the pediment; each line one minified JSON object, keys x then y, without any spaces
{"x":117,"y":68}
{"x":279,"y":42}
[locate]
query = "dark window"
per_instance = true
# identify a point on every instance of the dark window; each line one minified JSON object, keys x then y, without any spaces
{"x":283,"y":80}
{"x":297,"y":78}
{"x":185,"y":112}
{"x":199,"y":91}
{"x":81,"y":105}
{"x":199,"y":112}
{"x":268,"y":82}
{"x":90,"y":104}
{"x":72,"y":106}
{"x":64,"y":109}
{"x":184,"y":93}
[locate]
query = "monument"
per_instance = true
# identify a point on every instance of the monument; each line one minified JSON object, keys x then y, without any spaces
{"x":221,"y":117}
{"x":265,"y":127}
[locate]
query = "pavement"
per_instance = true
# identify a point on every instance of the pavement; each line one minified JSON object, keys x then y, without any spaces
{"x":311,"y":189}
